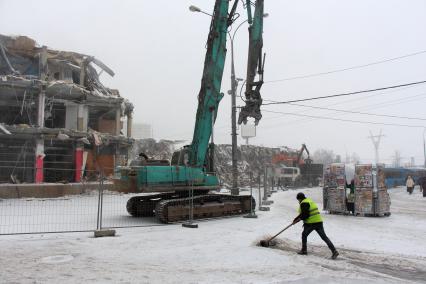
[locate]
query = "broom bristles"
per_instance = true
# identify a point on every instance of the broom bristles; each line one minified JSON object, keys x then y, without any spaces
{"x":264,"y":241}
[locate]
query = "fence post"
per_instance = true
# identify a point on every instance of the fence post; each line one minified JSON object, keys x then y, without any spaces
{"x":251,"y":214}
{"x":100,"y":232}
{"x":101,"y":189}
{"x":98,"y":219}
{"x":262,"y":208}
{"x":265,"y":184}
{"x":266,"y":192}
{"x":190,"y":223}
{"x":260,"y":194}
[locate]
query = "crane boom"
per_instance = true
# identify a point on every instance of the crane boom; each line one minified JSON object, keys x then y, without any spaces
{"x":209,"y":95}
{"x":255,"y":64}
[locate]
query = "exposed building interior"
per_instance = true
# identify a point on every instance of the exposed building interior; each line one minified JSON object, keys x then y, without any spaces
{"x":58,"y":122}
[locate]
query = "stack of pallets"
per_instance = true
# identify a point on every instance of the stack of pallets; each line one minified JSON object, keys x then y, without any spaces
{"x":334,"y":192}
{"x":368,"y":200}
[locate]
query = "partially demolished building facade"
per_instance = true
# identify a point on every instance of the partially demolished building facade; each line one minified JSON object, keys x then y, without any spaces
{"x":58,"y":122}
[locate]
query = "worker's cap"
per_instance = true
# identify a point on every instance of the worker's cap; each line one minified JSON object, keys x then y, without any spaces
{"x":300,"y":196}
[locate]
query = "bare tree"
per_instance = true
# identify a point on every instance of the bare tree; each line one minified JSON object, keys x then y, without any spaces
{"x":355,"y":159}
{"x":324,"y":156}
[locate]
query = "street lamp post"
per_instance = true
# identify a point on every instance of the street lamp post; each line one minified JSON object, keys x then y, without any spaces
{"x":234,"y":85}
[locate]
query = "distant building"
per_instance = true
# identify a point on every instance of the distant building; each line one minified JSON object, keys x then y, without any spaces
{"x":142,"y":131}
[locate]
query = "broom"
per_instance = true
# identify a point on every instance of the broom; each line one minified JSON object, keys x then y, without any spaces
{"x":265,"y":243}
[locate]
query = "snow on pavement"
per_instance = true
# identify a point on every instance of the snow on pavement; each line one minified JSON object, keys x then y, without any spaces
{"x":374,"y":250}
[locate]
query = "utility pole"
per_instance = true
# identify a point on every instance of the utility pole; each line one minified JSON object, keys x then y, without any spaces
{"x":234,"y":84}
{"x":424,"y":147}
{"x":233,"y":92}
{"x":376,"y":142}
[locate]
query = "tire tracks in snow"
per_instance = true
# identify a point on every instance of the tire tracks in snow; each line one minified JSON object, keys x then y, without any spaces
{"x":393,"y":267}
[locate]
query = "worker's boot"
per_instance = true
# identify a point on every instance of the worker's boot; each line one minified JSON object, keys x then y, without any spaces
{"x":335,"y":254}
{"x":302,"y":252}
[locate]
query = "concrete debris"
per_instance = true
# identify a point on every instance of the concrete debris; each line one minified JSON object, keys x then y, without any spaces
{"x":251,"y":159}
{"x":67,"y":75}
{"x":161,"y":150}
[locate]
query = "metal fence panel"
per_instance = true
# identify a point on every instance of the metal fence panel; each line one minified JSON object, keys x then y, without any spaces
{"x":68,"y":212}
{"x":46,"y":215}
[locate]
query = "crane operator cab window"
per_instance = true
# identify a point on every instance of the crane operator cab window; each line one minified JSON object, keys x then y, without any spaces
{"x":180,"y":157}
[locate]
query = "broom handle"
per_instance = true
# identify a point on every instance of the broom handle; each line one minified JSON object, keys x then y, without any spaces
{"x":280,"y":232}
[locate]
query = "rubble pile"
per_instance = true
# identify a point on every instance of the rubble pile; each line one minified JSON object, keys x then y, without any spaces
{"x":161,"y":150}
{"x":251,"y":159}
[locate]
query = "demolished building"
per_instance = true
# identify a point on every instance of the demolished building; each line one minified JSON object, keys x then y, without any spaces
{"x":58,"y":122}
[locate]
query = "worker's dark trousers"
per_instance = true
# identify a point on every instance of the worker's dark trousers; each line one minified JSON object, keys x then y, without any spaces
{"x":308,"y":228}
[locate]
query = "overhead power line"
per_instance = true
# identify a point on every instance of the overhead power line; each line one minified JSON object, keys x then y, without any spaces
{"x":345,"y":120}
{"x":346,"y":69}
{"x":370,"y":106}
{"x":359,"y":112}
{"x":345,"y":94}
{"x":335,"y":114}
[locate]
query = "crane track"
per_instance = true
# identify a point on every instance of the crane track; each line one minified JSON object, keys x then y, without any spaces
{"x":205,"y":206}
{"x":144,"y":205}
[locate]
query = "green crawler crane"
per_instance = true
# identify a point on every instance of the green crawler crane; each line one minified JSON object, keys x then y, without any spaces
{"x":191,"y":168}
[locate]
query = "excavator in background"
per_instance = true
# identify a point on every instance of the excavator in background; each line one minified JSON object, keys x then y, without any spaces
{"x":292,"y":157}
{"x":291,"y":170}
{"x":190,"y":174}
{"x":299,"y":160}
{"x":310,"y":174}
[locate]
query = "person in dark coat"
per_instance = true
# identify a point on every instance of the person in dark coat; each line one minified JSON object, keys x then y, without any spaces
{"x":350,"y":197}
{"x":422,"y":183}
{"x":410,"y":184}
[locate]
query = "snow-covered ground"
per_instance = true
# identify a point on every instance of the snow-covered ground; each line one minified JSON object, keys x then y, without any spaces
{"x":373,"y":250}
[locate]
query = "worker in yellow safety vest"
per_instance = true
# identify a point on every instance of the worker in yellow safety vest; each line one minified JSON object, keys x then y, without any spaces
{"x":309,"y":213}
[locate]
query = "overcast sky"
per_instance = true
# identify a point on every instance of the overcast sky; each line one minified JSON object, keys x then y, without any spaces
{"x":157,"y":50}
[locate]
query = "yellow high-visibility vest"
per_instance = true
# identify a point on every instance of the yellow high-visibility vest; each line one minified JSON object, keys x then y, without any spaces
{"x":314,"y":214}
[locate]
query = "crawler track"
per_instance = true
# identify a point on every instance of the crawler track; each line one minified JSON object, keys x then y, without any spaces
{"x":144,"y":206}
{"x":174,"y":207}
{"x":205,"y":206}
